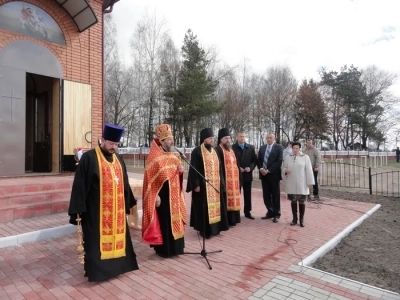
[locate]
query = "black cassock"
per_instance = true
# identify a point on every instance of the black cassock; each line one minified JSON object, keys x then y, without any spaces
{"x":85,"y":200}
{"x":233,"y":216}
{"x":170,"y":246}
{"x":197,"y":214}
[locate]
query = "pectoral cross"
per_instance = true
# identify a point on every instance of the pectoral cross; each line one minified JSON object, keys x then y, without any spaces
{"x":116,"y":179}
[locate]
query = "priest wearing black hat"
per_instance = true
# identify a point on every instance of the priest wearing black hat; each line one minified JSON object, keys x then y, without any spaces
{"x":231,"y":174}
{"x":100,"y":199}
{"x":208,"y":211}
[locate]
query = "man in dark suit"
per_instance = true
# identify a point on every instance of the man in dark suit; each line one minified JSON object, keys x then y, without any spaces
{"x":247,"y":159}
{"x":269,"y":163}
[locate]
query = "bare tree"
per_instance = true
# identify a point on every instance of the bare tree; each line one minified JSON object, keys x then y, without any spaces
{"x":119,"y":105}
{"x":147,"y":45}
{"x":260,"y":122}
{"x":375,"y":117}
{"x":280,"y":89}
{"x":110,"y":42}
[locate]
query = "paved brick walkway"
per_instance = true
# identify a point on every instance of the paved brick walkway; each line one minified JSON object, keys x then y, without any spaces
{"x":258,"y":261}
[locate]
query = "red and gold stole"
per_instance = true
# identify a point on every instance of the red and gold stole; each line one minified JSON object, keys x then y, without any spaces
{"x":112,"y":207}
{"x":211,"y":172}
{"x":232,"y":180}
{"x":160,"y":167}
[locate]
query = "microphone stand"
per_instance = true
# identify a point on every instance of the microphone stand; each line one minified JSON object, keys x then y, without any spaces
{"x":203,"y":252}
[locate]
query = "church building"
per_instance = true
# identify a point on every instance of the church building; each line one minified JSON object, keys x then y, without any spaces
{"x":51,"y":82}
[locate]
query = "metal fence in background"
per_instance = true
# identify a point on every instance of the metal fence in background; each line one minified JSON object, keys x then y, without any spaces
{"x":331,"y":173}
{"x":339,"y":174}
{"x":386,"y":184}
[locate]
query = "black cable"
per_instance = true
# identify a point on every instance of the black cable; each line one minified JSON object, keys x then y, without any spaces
{"x":289,"y":242}
{"x":318,"y":204}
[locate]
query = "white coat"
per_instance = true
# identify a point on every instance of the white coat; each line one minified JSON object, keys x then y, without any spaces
{"x":301,"y":174}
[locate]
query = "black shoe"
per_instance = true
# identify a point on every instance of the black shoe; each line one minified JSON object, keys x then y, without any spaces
{"x":275,"y":220}
{"x":316,"y":198}
{"x":266,"y":217}
{"x":249,"y":216}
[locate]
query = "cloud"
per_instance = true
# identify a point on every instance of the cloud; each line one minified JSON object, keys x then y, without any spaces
{"x":388,"y":29}
{"x":302,"y":34}
{"x":387,"y":34}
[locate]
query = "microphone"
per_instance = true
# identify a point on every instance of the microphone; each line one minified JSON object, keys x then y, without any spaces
{"x":180,"y":153}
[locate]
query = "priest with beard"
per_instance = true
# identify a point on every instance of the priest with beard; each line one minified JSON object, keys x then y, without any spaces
{"x":100,"y":199}
{"x":164,"y":207}
{"x":208,"y":210}
{"x":231,"y":174}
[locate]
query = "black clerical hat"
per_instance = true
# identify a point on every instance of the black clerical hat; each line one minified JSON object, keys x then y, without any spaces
{"x":112,"y":133}
{"x":206,"y":133}
{"x":223,"y":132}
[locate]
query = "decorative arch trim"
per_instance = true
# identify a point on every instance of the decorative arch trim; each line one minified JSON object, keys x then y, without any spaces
{"x":31,"y":57}
{"x":30,"y":20}
{"x":81,"y":13}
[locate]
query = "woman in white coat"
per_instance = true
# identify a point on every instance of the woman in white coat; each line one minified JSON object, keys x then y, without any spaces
{"x":298,"y":177}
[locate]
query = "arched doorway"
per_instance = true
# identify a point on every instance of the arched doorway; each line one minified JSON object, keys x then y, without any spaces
{"x":30,"y":109}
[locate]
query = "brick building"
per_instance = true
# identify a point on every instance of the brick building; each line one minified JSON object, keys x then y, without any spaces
{"x":51,"y":82}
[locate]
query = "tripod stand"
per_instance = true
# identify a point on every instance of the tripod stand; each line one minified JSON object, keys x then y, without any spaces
{"x":203,"y":251}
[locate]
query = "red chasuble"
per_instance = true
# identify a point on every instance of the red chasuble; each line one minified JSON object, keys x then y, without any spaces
{"x":160,"y":167}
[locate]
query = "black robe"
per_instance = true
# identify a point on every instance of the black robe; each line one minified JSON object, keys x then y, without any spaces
{"x":85,"y":197}
{"x":198,"y":215}
{"x":233,"y":216}
{"x":170,"y":246}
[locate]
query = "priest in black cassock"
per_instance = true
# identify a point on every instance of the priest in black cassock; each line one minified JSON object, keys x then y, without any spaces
{"x":208,"y":210}
{"x":231,"y":174}
{"x":102,"y":197}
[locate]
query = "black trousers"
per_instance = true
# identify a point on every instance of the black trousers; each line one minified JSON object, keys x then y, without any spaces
{"x":315,"y":186}
{"x":247,"y":197}
{"x":271,"y":194}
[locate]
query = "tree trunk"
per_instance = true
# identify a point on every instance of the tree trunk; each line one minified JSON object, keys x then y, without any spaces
{"x":150,"y":124}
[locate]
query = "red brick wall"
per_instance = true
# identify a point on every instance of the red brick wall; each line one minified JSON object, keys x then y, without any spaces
{"x":81,"y":58}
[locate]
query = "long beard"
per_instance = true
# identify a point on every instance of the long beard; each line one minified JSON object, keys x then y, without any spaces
{"x":208,"y":146}
{"x":227,"y":146}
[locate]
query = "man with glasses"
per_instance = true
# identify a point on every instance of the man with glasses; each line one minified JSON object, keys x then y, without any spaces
{"x":100,"y":199}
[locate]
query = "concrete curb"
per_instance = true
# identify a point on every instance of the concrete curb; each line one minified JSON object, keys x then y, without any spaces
{"x":336,"y":240}
{"x":354,"y":281}
{"x":305,"y":263}
{"x":40,"y":235}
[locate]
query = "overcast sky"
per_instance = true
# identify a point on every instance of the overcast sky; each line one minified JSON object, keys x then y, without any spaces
{"x":304,"y":34}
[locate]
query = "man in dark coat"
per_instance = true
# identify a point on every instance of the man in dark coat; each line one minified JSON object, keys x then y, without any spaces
{"x":208,"y":211}
{"x":101,"y":196}
{"x":269,"y":162}
{"x":247,"y":160}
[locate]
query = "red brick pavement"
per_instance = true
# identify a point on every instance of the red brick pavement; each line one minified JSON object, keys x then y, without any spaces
{"x":253,"y":253}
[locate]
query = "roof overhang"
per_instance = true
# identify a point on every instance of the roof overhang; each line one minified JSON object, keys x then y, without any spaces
{"x":80,"y":12}
{"x":108,"y":4}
